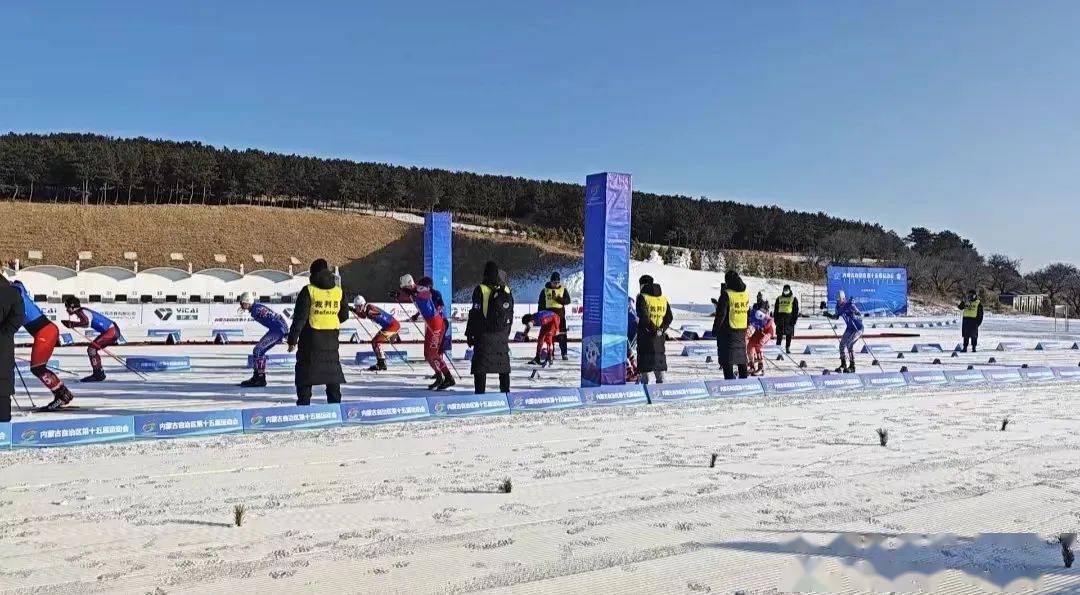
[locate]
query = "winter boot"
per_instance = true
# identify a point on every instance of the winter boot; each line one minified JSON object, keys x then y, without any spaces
{"x":535,"y":362}
{"x":447,"y":382}
{"x":97,"y":376}
{"x":843,"y":366}
{"x":851,"y":369}
{"x":61,"y":397}
{"x":257,"y":380}
{"x":564,"y":358}
{"x":438,"y":381}
{"x":379,"y":366}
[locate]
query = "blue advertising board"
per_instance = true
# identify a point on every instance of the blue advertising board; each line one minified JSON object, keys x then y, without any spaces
{"x":1037,"y":373}
{"x":460,"y":405}
{"x":925,"y":377}
{"x":275,"y":360}
{"x":735,"y":387}
{"x":883,"y":379}
{"x":159,"y":363}
{"x":877,"y":348}
{"x":23,"y":366}
{"x":1002,"y":375}
{"x":268,"y":419}
{"x":1010,"y":346}
{"x":176,"y":424}
{"x":786,"y":385}
{"x":5,"y":434}
{"x":682,"y":391}
{"x":819,"y":349}
{"x":545,"y":399}
{"x":438,"y":254}
{"x":66,"y":432}
{"x":837,"y":381}
{"x":1066,"y":372}
{"x":875,"y":290}
{"x":692,"y":350}
{"x":965,"y":376}
{"x":381,"y":411}
{"x":628,"y":394}
{"x":607,"y":271}
{"x":366,"y":358}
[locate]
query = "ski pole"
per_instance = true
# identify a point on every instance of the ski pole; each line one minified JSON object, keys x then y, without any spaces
{"x":110,"y":354}
{"x":25,"y":388}
{"x":372,"y":337}
{"x":57,"y":368}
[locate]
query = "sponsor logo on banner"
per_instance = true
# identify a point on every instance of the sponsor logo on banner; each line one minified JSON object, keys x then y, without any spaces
{"x":5,"y":434}
{"x":926,"y":377}
{"x":72,"y":431}
{"x":364,"y":358}
{"x":160,"y":363}
{"x":384,"y":411}
{"x":1037,"y":373}
{"x":290,"y":418}
{"x":883,"y":379}
{"x":736,"y":387}
{"x":181,"y":314}
{"x":683,"y":391}
{"x":785,"y":385}
{"x":837,"y":381}
{"x":965,"y":376}
{"x":1066,"y":372}
{"x":275,"y":360}
{"x":196,"y":423}
{"x":452,"y":406}
{"x":545,"y":399}
{"x":617,"y":394}
{"x":691,"y":350}
{"x":1002,"y":375}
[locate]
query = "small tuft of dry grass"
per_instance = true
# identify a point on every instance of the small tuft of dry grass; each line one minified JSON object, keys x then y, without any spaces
{"x":239,"y":513}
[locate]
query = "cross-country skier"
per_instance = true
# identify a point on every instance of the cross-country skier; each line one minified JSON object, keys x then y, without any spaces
{"x":46,"y":335}
{"x":763,"y":331}
{"x":849,"y":312}
{"x":429,"y":305}
{"x":388,"y":328}
{"x":973,"y":317}
{"x":786,"y":314}
{"x":277,"y":329}
{"x":549,"y":323}
{"x":108,"y":333}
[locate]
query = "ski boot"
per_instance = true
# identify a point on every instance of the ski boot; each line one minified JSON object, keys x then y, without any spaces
{"x":97,"y":376}
{"x":843,"y":367}
{"x":379,"y":366}
{"x":61,"y":398}
{"x":850,"y":369}
{"x":446,"y":383}
{"x":438,"y":381}
{"x":257,"y":380}
{"x":534,"y":362}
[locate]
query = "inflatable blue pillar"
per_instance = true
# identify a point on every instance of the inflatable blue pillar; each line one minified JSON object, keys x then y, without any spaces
{"x":607,"y":266}
{"x":438,"y":255}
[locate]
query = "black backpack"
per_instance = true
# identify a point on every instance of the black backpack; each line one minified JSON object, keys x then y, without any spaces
{"x":500,"y":311}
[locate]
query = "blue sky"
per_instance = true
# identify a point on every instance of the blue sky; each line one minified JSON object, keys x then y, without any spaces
{"x":959,"y":115}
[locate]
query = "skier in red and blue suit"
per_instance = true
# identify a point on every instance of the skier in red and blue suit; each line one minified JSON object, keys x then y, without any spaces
{"x":277,"y":329}
{"x":429,"y":305}
{"x":46,"y":336}
{"x":108,"y":333}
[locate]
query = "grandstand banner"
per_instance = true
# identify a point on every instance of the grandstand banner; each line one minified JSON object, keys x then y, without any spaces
{"x":607,"y":267}
{"x":877,"y":291}
{"x":438,"y":255}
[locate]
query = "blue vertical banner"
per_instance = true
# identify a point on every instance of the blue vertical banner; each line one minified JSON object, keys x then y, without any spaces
{"x":438,"y":255}
{"x":607,"y":267}
{"x":876,"y":290}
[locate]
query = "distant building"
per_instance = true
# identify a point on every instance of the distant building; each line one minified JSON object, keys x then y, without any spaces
{"x":1028,"y":303}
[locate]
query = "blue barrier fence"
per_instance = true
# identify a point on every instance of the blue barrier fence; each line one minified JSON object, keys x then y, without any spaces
{"x":177,"y":424}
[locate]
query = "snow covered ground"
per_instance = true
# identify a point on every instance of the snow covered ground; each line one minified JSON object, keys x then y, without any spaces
{"x":618,"y":499}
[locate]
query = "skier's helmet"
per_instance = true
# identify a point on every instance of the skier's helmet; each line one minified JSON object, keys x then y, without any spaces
{"x":841,"y":297}
{"x":359,"y":302}
{"x":406,"y":280}
{"x":71,"y":302}
{"x":247,"y":298}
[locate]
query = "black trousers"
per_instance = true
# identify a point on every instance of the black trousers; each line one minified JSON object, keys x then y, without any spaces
{"x":480,"y":383}
{"x":729,"y":371}
{"x":303,"y":394}
{"x":561,"y":337}
{"x":5,"y":408}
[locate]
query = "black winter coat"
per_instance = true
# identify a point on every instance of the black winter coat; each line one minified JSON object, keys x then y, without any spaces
{"x":651,"y":341}
{"x":559,"y":307}
{"x":491,"y":348}
{"x":969,"y":327}
{"x":317,"y":359}
{"x":11,"y":317}
{"x":730,"y":343}
{"x":785,"y":323}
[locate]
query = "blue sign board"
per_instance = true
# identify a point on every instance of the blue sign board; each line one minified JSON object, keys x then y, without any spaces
{"x":265,"y":419}
{"x":607,"y":271}
{"x":545,"y":399}
{"x":275,"y":360}
{"x":438,"y":254}
{"x":875,"y":290}
{"x":690,"y":350}
{"x":365,"y":358}
{"x":460,"y":405}
{"x":1069,"y":372}
{"x":176,"y":424}
{"x":1002,"y":375}
{"x":883,"y":379}
{"x":925,"y":377}
{"x":383,"y":411}
{"x":66,"y":432}
{"x":23,"y":367}
{"x":785,"y":385}
{"x":926,"y":348}
{"x":1010,"y":346}
{"x":821,"y":350}
{"x":736,"y":387}
{"x":630,"y":394}
{"x":837,"y":381}
{"x":1051,"y":345}
{"x":5,"y":434}
{"x":877,"y":348}
{"x":159,"y":363}
{"x":965,"y":376}
{"x":682,"y":391}
{"x":1037,"y":373}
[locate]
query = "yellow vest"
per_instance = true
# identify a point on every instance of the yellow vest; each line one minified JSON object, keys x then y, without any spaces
{"x":551,"y":296}
{"x":972,"y":310}
{"x":784,"y":304}
{"x":325,"y":305}
{"x":485,"y":292}
{"x":738,"y":307}
{"x":656,"y":308}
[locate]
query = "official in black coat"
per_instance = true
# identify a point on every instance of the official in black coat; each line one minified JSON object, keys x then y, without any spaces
{"x":973,"y":316}
{"x":555,"y":297}
{"x":729,"y":325}
{"x":11,"y":317}
{"x":654,"y":318}
{"x":316,"y":327}
{"x":488,"y":329}
{"x":785,"y":315}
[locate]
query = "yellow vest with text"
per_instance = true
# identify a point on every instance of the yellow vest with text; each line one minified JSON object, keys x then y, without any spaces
{"x":972,"y":310}
{"x":485,"y":292}
{"x":551,"y":298}
{"x":738,"y":308}
{"x":785,"y":303}
{"x":325,"y":305}
{"x":656,"y":307}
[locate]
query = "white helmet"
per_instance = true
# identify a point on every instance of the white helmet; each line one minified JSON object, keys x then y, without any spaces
{"x":247,"y":298}
{"x":406,"y":280}
{"x":841,"y":297}
{"x":359,"y":302}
